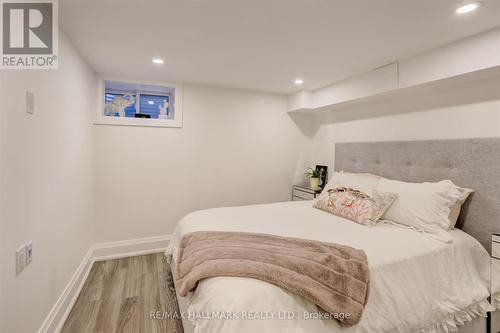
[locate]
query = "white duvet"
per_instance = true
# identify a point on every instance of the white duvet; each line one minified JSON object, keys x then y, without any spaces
{"x":418,"y":284}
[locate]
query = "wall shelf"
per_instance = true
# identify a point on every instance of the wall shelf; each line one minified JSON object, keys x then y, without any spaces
{"x":400,"y":93}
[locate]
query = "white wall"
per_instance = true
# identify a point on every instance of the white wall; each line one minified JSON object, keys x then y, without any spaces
{"x":235,"y":148}
{"x":46,"y":184}
{"x":467,"y":55}
{"x":467,"y":111}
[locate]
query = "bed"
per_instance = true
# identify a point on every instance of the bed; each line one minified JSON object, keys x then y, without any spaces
{"x":452,"y":294}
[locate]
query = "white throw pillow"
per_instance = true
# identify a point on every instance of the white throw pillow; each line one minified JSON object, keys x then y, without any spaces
{"x":422,"y":206}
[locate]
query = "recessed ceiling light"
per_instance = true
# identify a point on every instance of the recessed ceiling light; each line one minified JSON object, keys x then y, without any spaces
{"x":468,"y":7}
{"x":298,"y":82}
{"x":158,"y":61}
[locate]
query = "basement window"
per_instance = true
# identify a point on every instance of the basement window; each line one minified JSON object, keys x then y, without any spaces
{"x":140,"y":104}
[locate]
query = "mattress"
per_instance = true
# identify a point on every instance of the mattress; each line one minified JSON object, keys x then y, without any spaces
{"x":418,"y":284}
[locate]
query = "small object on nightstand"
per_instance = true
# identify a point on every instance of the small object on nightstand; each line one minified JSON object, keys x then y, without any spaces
{"x":304,"y":192}
{"x":323,"y":175}
{"x":313,"y":176}
{"x":495,"y":282}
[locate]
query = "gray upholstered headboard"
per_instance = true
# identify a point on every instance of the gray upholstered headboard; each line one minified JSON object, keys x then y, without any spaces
{"x":472,"y":163}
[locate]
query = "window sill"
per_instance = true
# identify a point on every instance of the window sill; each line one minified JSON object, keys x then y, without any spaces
{"x":139,"y":122}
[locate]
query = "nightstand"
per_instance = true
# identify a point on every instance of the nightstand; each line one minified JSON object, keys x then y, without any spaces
{"x":304,"y":192}
{"x":495,"y":282}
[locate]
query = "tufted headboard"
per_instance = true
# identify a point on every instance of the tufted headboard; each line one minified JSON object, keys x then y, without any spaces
{"x":471,"y":163}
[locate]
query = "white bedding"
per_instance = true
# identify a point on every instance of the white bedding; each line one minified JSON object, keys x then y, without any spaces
{"x":418,"y":284}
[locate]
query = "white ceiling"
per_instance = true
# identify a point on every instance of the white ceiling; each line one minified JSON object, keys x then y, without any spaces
{"x":262,"y":44}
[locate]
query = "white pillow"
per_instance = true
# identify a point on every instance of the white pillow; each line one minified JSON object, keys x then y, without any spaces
{"x":364,"y":175}
{"x":353,"y":180}
{"x":422,"y":206}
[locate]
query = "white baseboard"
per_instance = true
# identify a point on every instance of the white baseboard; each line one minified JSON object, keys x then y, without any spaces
{"x":97,"y":252}
{"x":129,"y":248}
{"x":68,"y":297}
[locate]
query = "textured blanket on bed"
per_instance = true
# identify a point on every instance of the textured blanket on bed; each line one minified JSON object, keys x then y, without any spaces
{"x":334,"y":277}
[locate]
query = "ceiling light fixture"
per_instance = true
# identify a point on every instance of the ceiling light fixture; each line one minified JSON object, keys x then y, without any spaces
{"x":158,"y":61}
{"x":298,"y":82}
{"x":468,"y":7}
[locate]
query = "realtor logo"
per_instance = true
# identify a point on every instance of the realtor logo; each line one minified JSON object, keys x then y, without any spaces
{"x":29,"y":34}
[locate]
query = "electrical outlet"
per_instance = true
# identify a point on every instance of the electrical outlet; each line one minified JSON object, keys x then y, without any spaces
{"x":20,"y":259}
{"x":29,"y":253}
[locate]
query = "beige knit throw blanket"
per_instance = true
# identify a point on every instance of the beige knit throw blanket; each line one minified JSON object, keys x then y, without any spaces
{"x":332,"y":276}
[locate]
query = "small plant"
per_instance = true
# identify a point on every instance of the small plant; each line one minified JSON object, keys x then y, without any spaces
{"x":313,"y":173}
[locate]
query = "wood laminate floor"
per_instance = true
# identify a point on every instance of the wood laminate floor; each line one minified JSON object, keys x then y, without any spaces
{"x":119,"y":295}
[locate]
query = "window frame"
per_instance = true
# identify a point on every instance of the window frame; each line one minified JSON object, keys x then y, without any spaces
{"x":101,"y":119}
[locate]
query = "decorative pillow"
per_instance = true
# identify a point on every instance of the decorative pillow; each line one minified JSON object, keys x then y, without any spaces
{"x":457,"y":206}
{"x":361,"y":206}
{"x":422,"y":206}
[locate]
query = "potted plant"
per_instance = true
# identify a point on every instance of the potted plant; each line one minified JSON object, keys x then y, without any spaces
{"x":313,"y":175}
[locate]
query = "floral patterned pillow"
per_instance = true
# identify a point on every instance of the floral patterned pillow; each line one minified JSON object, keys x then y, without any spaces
{"x":363,"y":207}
